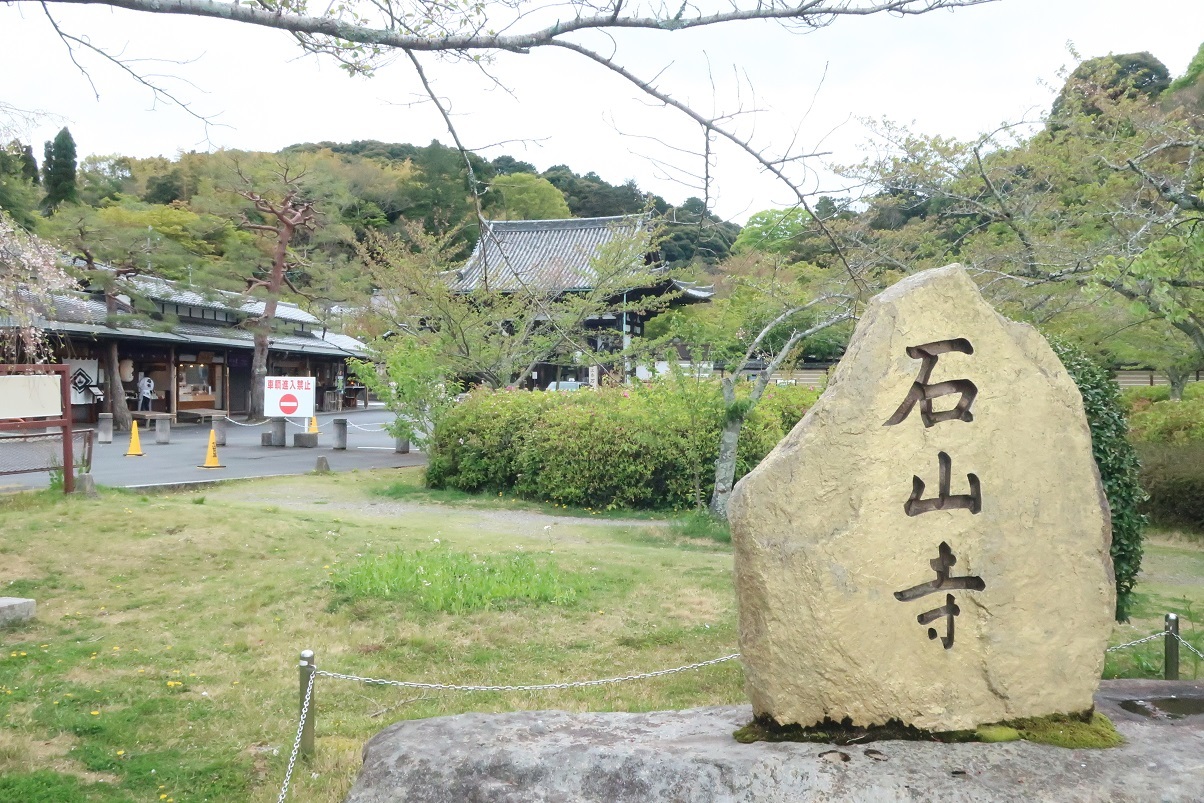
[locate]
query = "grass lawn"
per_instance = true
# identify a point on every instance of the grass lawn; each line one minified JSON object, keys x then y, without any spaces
{"x":162,"y":662}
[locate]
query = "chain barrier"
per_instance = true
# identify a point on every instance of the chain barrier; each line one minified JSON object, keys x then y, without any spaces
{"x":292,"y":759}
{"x":241,"y":424}
{"x":383,"y":427}
{"x":406,"y":684}
{"x":1158,"y":635}
{"x":1188,"y":644}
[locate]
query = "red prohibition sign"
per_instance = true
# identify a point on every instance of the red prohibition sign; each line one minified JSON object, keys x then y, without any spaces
{"x":288,"y":404}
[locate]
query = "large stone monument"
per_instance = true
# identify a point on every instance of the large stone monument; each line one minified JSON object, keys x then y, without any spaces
{"x":930,"y":544}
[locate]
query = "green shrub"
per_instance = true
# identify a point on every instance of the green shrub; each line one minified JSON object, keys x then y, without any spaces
{"x":1118,"y":465}
{"x":1173,"y":476}
{"x":650,"y":446}
{"x":1138,"y":399}
{"x":1168,"y":422}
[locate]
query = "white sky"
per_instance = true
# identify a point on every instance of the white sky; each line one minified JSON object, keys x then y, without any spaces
{"x":951,"y":72}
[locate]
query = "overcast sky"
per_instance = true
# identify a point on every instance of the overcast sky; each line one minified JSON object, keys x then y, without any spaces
{"x":953,"y":72}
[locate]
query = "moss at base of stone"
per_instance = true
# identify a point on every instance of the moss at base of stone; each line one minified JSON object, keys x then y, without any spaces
{"x":1073,"y":732}
{"x":1089,"y":730}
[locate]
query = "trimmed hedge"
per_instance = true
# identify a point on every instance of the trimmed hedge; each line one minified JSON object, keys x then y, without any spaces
{"x":638,"y":447}
{"x":1118,"y":465}
{"x":1173,"y":475}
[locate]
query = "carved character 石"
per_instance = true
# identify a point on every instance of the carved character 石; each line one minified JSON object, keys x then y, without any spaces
{"x":922,"y":392}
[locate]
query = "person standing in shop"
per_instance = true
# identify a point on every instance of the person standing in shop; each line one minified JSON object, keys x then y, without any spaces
{"x":146,"y":392}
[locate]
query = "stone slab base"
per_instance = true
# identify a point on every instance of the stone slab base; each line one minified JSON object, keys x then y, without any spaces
{"x":307,"y":440}
{"x":688,"y":756}
{"x":15,"y":610}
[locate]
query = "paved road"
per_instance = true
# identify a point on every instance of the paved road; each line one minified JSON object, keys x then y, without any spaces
{"x":242,"y":456}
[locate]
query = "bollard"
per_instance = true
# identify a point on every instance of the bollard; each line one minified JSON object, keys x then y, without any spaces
{"x":162,"y":430}
{"x":340,"y":434}
{"x":278,"y":436}
{"x":104,"y":428}
{"x":1170,"y":647}
{"x":219,"y":429}
{"x":307,"y":712}
{"x":402,"y":445}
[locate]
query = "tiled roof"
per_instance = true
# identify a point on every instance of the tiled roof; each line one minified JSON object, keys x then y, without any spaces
{"x":78,"y":314}
{"x":542,"y":255}
{"x":174,"y":293}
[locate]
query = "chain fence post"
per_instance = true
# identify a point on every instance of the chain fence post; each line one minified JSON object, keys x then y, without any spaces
{"x":307,"y":668}
{"x":1171,"y":647}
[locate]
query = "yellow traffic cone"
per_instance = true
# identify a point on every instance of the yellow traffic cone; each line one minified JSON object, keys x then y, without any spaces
{"x":211,"y":455}
{"x":135,"y":449}
{"x":313,"y":425}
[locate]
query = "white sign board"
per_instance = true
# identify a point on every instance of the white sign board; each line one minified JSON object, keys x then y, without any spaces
{"x":288,"y":396}
{"x":30,"y":396}
{"x":85,"y":374}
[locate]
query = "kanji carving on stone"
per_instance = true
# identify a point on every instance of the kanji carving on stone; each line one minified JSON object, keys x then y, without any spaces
{"x":944,"y":561}
{"x":944,"y":500}
{"x":923,"y":392}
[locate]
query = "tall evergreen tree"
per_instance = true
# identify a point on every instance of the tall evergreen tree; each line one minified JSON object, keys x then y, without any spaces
{"x":29,"y":166}
{"x":58,"y":171}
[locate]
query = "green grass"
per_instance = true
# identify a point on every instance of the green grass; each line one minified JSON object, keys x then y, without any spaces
{"x":441,"y":580}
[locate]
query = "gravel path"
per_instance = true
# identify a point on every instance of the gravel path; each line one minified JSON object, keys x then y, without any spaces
{"x":510,"y":522}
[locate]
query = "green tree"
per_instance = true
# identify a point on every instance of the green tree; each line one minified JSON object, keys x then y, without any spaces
{"x":524,"y":196}
{"x":773,"y":231}
{"x":59,"y":171}
{"x":766,"y":312}
{"x":18,"y":195}
{"x":484,"y":335}
{"x":415,"y":385}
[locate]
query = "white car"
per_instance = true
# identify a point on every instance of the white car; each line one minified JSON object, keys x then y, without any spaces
{"x":566,"y":385}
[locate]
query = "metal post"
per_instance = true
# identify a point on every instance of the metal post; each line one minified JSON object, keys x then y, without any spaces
{"x":340,"y":434}
{"x":1171,"y":647}
{"x":219,"y":429}
{"x":68,"y":442}
{"x":307,"y":727}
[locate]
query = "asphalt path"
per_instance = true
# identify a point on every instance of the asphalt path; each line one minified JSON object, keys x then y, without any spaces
{"x":178,"y":462}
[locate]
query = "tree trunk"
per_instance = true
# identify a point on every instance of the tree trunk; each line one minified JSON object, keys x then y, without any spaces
{"x":114,"y":391}
{"x":1178,"y":381}
{"x":259,"y":370}
{"x":725,"y":465}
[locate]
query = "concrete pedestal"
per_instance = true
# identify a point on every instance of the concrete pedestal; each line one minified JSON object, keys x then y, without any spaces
{"x":16,"y":610}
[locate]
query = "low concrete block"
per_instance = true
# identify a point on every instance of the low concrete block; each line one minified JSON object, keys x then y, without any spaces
{"x":265,"y":439}
{"x":85,"y":485}
{"x":15,"y":610}
{"x":322,"y":466}
{"x":162,"y":430}
{"x":306,"y":440}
